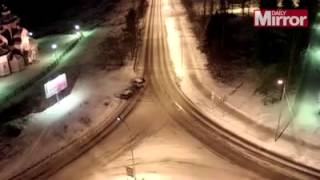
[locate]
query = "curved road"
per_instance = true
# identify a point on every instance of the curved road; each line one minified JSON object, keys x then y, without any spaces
{"x":162,"y":150}
{"x":169,"y":137}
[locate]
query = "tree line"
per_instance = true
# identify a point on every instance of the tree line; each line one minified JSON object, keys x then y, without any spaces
{"x":228,"y":38}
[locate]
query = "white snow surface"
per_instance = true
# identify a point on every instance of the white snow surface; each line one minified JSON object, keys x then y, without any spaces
{"x":78,"y":112}
{"x":162,"y":151}
{"x":190,"y":63}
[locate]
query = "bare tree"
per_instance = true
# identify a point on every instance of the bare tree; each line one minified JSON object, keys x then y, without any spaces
{"x":211,"y":7}
{"x":243,"y":5}
{"x":287,"y":4}
{"x":268,"y":3}
{"x":204,"y":8}
{"x":131,"y":29}
{"x":223,"y":6}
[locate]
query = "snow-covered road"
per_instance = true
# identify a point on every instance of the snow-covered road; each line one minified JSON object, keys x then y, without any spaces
{"x":241,"y":112}
{"x":162,"y":151}
{"x":91,"y":103}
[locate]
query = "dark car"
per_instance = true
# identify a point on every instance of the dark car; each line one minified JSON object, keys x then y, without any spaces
{"x":126,"y":94}
{"x":138,"y":82}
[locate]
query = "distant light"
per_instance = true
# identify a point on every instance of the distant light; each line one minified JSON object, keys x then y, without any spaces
{"x":76,"y":27}
{"x":280,"y":82}
{"x":54,"y":46}
{"x":30,"y":34}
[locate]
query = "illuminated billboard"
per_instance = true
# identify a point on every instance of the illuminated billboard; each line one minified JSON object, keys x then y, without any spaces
{"x":56,"y":85}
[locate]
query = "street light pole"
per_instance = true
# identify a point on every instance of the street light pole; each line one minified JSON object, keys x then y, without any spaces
{"x":78,"y":30}
{"x":131,"y":149}
{"x":212,"y":99}
{"x":283,"y":91}
{"x":54,"y":47}
{"x":181,"y":40}
{"x":282,"y":83}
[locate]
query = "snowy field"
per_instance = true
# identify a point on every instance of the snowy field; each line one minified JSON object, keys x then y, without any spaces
{"x":91,"y":101}
{"x":46,"y":58}
{"x":252,"y":120}
{"x":162,"y":151}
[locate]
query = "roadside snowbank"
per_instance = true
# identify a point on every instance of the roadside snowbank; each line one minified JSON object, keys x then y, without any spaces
{"x":237,"y":108}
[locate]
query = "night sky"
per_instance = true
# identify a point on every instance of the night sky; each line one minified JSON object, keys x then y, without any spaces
{"x":37,"y":13}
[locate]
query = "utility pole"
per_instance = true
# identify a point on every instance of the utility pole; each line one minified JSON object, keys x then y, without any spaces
{"x":283,"y":84}
{"x":131,"y":149}
{"x":182,"y":60}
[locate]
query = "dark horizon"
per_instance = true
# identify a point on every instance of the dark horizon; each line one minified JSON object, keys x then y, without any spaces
{"x":37,"y":13}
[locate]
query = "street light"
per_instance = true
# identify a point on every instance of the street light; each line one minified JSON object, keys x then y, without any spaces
{"x":281,"y":82}
{"x":77,"y":27}
{"x":78,"y":30}
{"x":30,"y":34}
{"x":54,"y":47}
{"x":132,"y":153}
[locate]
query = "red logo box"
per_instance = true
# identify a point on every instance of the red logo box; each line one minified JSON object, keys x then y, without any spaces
{"x":280,"y":18}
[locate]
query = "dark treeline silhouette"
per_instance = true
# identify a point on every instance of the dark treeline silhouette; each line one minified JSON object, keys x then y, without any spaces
{"x":132,"y":25}
{"x":231,"y":40}
{"x":39,"y":13}
{"x":268,"y":3}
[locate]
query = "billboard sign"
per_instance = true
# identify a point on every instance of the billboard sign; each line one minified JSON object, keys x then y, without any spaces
{"x":55,"y":85}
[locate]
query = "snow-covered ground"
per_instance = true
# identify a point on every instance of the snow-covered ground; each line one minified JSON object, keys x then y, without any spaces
{"x":90,"y":103}
{"x":46,"y":57}
{"x":162,"y":151}
{"x":177,"y":155}
{"x":253,"y":120}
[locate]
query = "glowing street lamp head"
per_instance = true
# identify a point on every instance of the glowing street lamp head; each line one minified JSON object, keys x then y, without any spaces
{"x":280,"y":82}
{"x":54,"y":46}
{"x":77,"y":27}
{"x":30,"y":34}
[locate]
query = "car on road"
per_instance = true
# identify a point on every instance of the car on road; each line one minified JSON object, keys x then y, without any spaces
{"x":126,"y":94}
{"x":138,"y":82}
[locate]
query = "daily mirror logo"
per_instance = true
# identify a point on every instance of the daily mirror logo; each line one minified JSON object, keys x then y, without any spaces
{"x":281,"y":18}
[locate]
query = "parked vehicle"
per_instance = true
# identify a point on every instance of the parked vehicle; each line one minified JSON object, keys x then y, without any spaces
{"x":126,"y":94}
{"x":138,"y":82}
